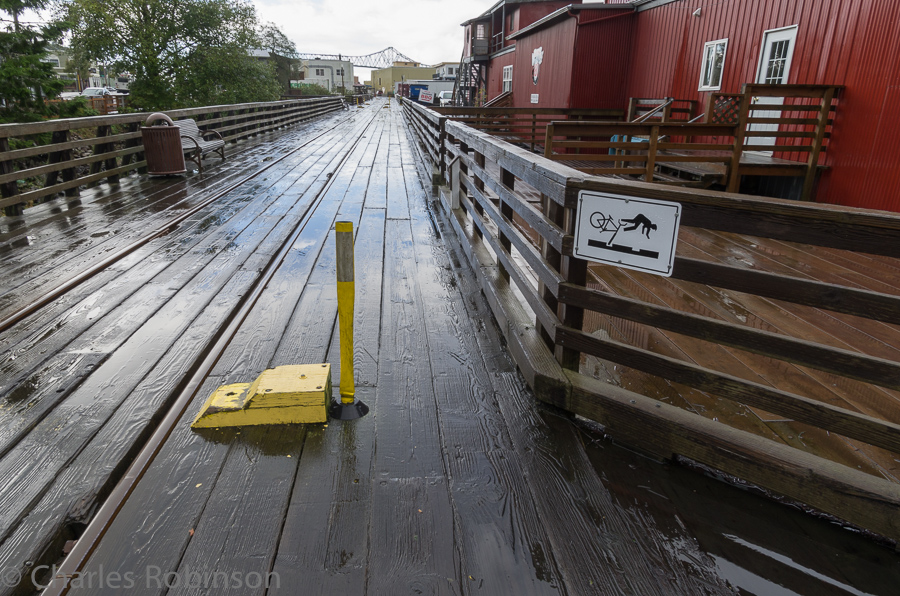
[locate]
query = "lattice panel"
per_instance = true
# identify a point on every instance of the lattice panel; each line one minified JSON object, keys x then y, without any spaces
{"x":726,"y":109}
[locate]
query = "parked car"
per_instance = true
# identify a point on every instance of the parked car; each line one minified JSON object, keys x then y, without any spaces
{"x":446,"y":98}
{"x":95,"y":91}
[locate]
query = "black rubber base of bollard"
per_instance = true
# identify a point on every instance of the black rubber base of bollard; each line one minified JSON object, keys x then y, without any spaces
{"x":341,"y":411}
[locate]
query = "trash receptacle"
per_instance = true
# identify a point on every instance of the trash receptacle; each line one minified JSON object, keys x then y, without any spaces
{"x":162,"y":146}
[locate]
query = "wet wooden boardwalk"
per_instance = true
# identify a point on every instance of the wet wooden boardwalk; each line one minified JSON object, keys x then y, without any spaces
{"x":455,"y":483}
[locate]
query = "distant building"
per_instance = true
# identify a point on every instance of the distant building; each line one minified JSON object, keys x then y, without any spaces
{"x":446,"y":70}
{"x":96,"y":75}
{"x":331,"y":74}
{"x":386,"y":79}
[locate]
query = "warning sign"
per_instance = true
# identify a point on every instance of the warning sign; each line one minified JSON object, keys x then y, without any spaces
{"x":628,"y":232}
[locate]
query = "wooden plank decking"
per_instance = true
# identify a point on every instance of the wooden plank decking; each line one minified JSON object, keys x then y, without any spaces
{"x":455,"y":483}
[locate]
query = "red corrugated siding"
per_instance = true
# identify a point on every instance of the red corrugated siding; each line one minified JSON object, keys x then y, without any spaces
{"x":854,"y":43}
{"x":554,"y":81}
{"x":600,"y":70}
{"x":495,"y":74}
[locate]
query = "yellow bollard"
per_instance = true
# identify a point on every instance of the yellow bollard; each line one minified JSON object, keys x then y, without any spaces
{"x":348,"y":407}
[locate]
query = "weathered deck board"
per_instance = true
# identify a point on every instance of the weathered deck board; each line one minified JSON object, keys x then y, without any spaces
{"x":65,"y":321}
{"x":89,"y":236}
{"x":109,"y":332}
{"x":412,"y":536}
{"x":504,"y":548}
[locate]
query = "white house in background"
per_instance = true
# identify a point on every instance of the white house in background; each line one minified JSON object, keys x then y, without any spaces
{"x":446,"y":70}
{"x":331,"y":74}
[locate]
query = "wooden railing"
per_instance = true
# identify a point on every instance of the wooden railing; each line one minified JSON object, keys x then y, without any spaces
{"x":523,"y":125}
{"x":639,"y":148}
{"x":41,"y":156}
{"x":672,"y":110}
{"x":515,"y":212}
{"x":108,"y":104}
{"x":742,"y":135}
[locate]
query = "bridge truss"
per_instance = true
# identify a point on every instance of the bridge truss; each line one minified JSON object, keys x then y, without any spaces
{"x":382,"y":59}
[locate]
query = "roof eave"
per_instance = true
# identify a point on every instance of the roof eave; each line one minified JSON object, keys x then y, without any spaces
{"x":566,"y":11}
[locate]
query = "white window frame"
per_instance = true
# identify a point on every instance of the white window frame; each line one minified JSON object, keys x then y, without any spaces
{"x":507,"y":78}
{"x":711,"y":45}
{"x":320,"y":72}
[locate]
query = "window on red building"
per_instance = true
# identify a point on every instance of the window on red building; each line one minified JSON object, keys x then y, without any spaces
{"x":713,"y":65}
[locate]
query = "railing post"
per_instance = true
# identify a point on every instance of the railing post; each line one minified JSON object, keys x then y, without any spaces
{"x":812,"y":165}
{"x":553,"y":212}
{"x":740,"y":131}
{"x":99,"y":149}
{"x":61,"y":136}
{"x":138,"y":157}
{"x":651,"y":153}
{"x":479,"y":184}
{"x":548,"y":141}
{"x":574,"y":271}
{"x":509,"y":181}
{"x":454,"y":183}
{"x":9,"y":189}
{"x":442,"y":150}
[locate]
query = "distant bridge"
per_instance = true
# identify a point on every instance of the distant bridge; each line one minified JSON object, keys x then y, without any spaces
{"x":382,"y":59}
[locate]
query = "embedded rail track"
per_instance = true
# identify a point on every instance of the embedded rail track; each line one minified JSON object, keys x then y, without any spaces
{"x":162,"y":230}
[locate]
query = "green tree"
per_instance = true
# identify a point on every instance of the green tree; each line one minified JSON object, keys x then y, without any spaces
{"x":225,"y":76}
{"x":179,"y":52}
{"x":282,"y":53}
{"x":26,"y":78}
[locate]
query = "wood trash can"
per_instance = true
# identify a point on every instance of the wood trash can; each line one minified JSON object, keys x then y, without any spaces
{"x":162,"y":146}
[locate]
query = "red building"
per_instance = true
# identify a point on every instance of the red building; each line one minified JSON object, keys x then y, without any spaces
{"x":590,"y":55}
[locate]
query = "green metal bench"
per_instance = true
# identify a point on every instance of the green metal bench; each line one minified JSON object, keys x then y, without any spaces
{"x":194,"y":143}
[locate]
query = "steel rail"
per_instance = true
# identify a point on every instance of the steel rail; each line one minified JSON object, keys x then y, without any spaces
{"x":194,"y":378}
{"x":163,"y":230}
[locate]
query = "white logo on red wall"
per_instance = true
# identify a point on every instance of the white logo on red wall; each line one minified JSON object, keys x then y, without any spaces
{"x":537,"y":56}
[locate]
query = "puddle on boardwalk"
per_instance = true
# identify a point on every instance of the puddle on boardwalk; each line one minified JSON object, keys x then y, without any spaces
{"x":753,"y":544}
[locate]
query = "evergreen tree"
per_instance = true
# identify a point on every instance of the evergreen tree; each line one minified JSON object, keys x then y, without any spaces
{"x":27,"y":80}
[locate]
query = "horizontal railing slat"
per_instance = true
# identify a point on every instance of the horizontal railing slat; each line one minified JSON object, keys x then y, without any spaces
{"x":838,"y":361}
{"x":826,"y":416}
{"x":233,"y":122}
{"x":852,"y":301}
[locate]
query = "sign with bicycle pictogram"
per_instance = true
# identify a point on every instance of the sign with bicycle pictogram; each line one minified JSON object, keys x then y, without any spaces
{"x":630,"y":232}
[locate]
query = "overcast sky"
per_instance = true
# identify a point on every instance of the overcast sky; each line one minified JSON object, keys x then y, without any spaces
{"x":425,"y":30}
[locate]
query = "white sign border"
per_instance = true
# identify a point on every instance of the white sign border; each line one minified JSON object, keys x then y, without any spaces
{"x":627,"y":198}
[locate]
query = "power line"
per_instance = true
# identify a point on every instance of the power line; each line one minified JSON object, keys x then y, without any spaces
{"x":382,"y":59}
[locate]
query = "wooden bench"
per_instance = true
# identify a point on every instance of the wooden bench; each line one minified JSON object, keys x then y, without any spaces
{"x":194,"y":143}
